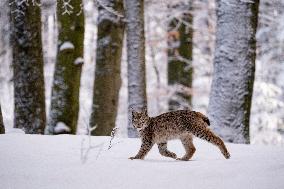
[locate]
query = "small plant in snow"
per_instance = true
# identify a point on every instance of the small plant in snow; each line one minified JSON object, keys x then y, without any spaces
{"x":85,"y":150}
{"x":112,"y":135}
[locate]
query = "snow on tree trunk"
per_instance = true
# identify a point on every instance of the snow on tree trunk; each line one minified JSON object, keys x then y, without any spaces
{"x":66,"y":81}
{"x":234,"y":67}
{"x":136,"y":59}
{"x":6,"y":83}
{"x":180,"y":69}
{"x":4,"y":30}
{"x":28,"y":67}
{"x":107,"y":73}
{"x":2,"y":128}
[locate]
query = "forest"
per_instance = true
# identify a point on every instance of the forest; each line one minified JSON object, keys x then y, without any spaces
{"x":68,"y":66}
{"x":72,"y":72}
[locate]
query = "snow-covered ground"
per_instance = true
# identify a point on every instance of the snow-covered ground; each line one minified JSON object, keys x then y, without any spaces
{"x":35,"y":161}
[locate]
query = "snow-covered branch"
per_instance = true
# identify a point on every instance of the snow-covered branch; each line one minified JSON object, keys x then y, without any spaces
{"x":67,"y":7}
{"x":109,"y":9}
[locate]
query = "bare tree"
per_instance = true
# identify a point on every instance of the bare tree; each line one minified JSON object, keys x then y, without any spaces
{"x":66,"y":82}
{"x":136,"y":59}
{"x":234,"y":66}
{"x":107,"y":73}
{"x":28,"y":67}
{"x":180,"y":70}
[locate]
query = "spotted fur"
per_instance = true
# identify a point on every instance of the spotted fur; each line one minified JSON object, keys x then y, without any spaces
{"x":181,"y":124}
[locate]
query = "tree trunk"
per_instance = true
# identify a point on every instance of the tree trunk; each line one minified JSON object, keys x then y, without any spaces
{"x":180,"y":68}
{"x":3,"y":41}
{"x":4,"y":30}
{"x":66,"y":82}
{"x":107,"y":73}
{"x":234,"y":66}
{"x":2,"y":128}
{"x":136,"y":60}
{"x":28,"y":67}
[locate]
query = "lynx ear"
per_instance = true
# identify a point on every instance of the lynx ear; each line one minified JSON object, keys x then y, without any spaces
{"x":134,"y":113}
{"x":144,"y":111}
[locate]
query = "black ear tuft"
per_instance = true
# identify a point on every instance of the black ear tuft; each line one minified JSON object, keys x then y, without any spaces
{"x":134,"y":114}
{"x":144,"y":111}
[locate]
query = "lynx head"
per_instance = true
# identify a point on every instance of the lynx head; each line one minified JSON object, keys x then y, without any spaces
{"x":140,"y":119}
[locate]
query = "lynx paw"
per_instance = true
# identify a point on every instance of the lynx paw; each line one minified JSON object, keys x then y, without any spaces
{"x":182,"y":159}
{"x":132,"y":158}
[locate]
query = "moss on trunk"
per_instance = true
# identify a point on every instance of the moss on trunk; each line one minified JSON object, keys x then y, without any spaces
{"x":248,"y":97}
{"x":180,"y":70}
{"x":2,"y":128}
{"x":107,"y":75}
{"x":66,"y":82}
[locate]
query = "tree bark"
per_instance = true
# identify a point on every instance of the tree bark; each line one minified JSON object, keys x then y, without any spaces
{"x":137,"y":99}
{"x":2,"y":128}
{"x":234,"y":67}
{"x":66,"y":82}
{"x":180,"y":70}
{"x":28,"y":67}
{"x":4,"y":29}
{"x":107,"y":73}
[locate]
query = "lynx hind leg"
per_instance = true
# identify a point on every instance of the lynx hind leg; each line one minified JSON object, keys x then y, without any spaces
{"x":187,"y":142}
{"x":206,"y":134}
{"x":219,"y":142}
{"x":164,"y":151}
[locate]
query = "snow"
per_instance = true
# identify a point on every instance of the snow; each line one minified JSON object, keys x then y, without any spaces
{"x":67,"y":45}
{"x":36,"y":161}
{"x":61,"y":127}
{"x":78,"y":61}
{"x":156,"y":33}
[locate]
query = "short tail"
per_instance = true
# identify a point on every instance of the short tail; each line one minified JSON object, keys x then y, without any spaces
{"x":205,"y":119}
{"x":208,"y":135}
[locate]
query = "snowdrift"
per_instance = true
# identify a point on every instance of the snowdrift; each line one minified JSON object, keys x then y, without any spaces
{"x":73,"y":162}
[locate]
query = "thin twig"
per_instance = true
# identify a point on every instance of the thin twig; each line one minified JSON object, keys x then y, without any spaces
{"x":112,"y":135}
{"x":110,"y":10}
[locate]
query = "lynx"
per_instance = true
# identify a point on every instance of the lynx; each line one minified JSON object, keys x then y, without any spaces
{"x":181,"y":124}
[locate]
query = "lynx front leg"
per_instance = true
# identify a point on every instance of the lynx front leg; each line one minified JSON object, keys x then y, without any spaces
{"x":164,"y":151}
{"x":144,"y":149}
{"x":186,"y":140}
